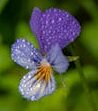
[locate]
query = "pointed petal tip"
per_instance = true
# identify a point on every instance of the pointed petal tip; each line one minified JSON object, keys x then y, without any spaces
{"x":36,"y":9}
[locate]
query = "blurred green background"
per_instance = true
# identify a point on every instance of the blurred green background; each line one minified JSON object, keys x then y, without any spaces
{"x":70,"y":96}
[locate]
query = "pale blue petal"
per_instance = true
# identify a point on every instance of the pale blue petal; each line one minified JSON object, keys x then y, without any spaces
{"x":56,"y":58}
{"x":33,"y":89}
{"x":50,"y":86}
{"x":25,"y":54}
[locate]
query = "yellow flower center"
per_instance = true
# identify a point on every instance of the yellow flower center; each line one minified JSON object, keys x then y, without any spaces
{"x":44,"y":71}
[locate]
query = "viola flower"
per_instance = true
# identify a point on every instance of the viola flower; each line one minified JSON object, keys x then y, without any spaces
{"x":54,"y":30}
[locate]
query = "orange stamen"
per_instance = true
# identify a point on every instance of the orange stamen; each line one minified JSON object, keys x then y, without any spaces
{"x":44,"y":72}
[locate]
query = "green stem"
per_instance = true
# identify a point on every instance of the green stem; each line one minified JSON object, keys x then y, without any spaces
{"x":85,"y":84}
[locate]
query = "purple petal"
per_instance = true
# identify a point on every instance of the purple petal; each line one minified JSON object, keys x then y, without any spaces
{"x":35,"y":24}
{"x":55,"y":26}
{"x":33,"y":89}
{"x":35,"y":21}
{"x":24,"y":54}
{"x":57,"y":59}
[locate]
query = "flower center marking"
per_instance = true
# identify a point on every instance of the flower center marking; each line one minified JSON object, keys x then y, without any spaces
{"x":44,"y":71}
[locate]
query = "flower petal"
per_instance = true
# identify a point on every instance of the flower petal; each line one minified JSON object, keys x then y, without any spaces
{"x":56,"y":26}
{"x":33,"y":89}
{"x":35,"y":21}
{"x":24,"y":54}
{"x":56,"y":58}
{"x":35,"y":24}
